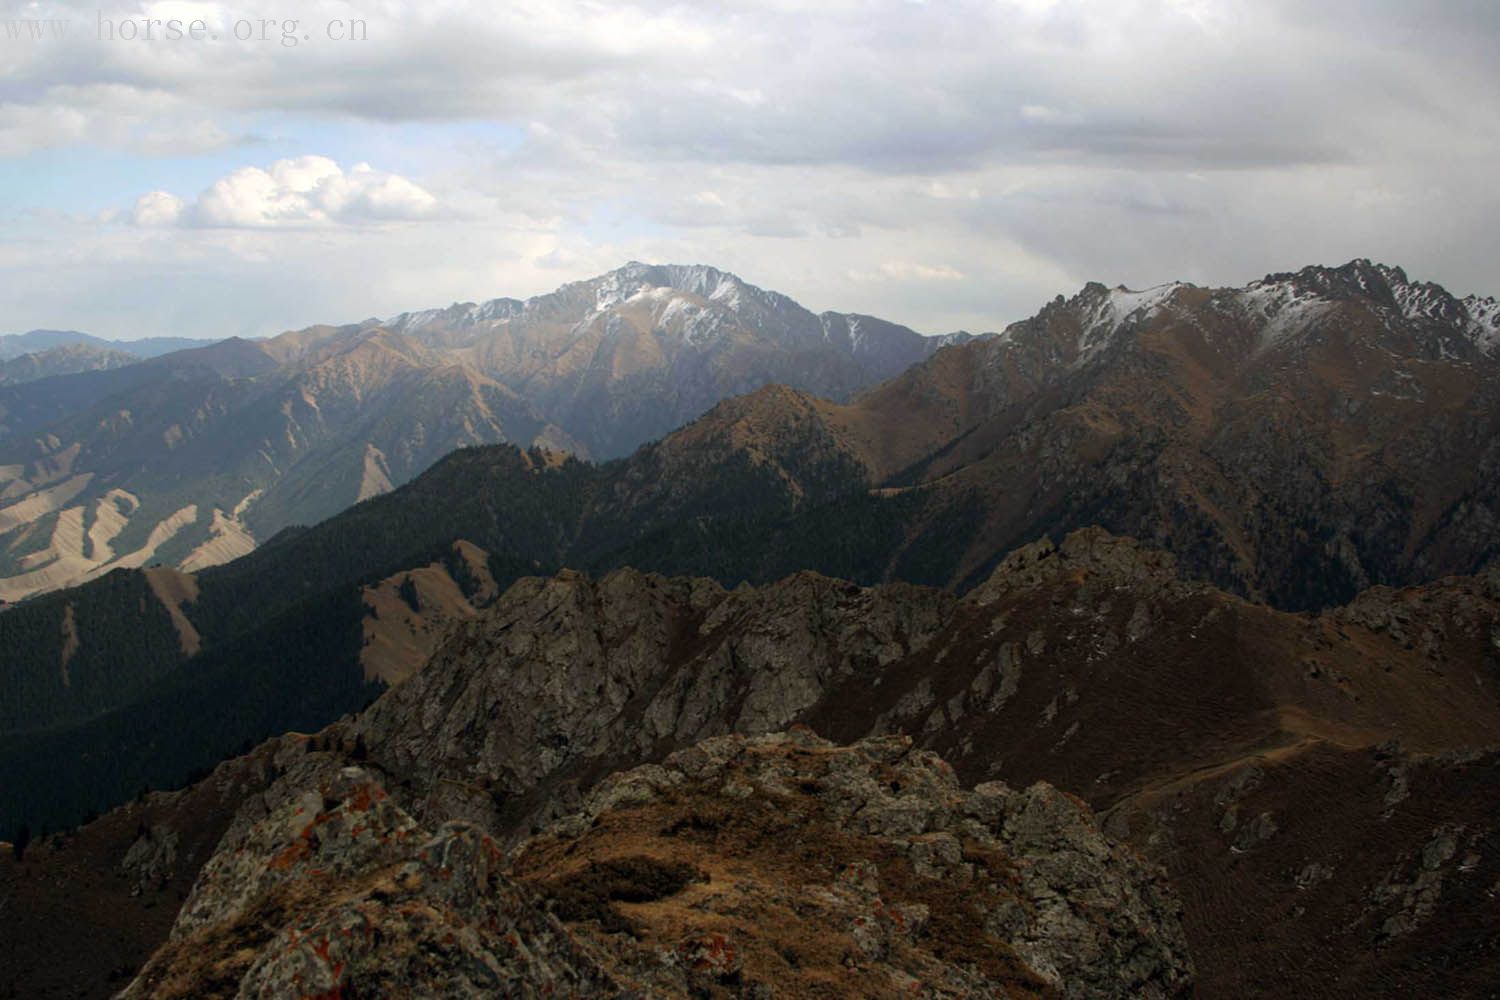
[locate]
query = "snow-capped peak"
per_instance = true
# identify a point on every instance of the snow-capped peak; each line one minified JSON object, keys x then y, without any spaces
{"x":1283,"y":308}
{"x":460,"y":315}
{"x":1484,"y":323}
{"x":1288,"y":302}
{"x":1112,"y":308}
{"x":704,"y":282}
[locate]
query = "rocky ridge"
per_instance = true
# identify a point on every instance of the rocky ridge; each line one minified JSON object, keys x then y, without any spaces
{"x":1249,"y":751}
{"x":779,"y":865}
{"x":1295,"y":441}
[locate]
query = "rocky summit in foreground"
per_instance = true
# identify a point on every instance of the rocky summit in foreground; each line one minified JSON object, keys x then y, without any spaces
{"x":775,"y":866}
{"x":1319,"y":788}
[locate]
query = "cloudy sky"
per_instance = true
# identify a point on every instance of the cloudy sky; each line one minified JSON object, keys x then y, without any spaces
{"x":947,"y":164}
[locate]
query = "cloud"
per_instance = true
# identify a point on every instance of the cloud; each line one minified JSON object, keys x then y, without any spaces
{"x":306,"y":191}
{"x":1209,"y":84}
{"x":900,"y":270}
{"x":943,"y":164}
{"x":157,"y":208}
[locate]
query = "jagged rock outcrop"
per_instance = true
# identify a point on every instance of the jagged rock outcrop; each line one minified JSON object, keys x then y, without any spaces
{"x":781,"y":865}
{"x":866,"y":871}
{"x":338,"y":893}
{"x":580,"y":677}
{"x":1090,"y":554}
{"x":1248,"y":750}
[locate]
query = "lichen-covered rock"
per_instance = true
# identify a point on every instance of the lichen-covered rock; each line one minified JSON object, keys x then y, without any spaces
{"x":339,"y":893}
{"x":334,"y":829}
{"x":864,"y":871}
{"x":447,"y":923}
{"x":755,"y":867}
{"x":152,"y":859}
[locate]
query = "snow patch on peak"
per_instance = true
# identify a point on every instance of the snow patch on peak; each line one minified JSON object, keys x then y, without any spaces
{"x":856,"y":332}
{"x":727,"y":293}
{"x":413,"y":320}
{"x":1109,"y":312}
{"x":859,"y":334}
{"x":696,"y":326}
{"x":459,"y":316}
{"x":496,"y":309}
{"x":1124,"y":302}
{"x":1416,"y":301}
{"x":635,"y":279}
{"x":1282,"y":308}
{"x":1484,"y":323}
{"x":617,"y":288}
{"x":679,"y":314}
{"x":654,"y":293}
{"x":1426,"y":301}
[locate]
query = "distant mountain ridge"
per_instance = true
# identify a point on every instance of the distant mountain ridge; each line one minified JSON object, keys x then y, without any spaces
{"x":67,"y":359}
{"x":1298,"y":439}
{"x":13,"y":345}
{"x":628,"y":356}
{"x":190,"y":458}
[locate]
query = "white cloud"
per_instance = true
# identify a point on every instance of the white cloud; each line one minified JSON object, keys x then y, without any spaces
{"x":306,"y":191}
{"x":156,"y":208}
{"x":900,"y":270}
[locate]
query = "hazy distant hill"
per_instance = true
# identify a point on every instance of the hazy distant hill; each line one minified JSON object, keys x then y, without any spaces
{"x":68,"y":359}
{"x":630,"y":355}
{"x":13,"y":345}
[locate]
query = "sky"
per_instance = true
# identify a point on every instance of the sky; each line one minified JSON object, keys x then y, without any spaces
{"x":948,"y":165}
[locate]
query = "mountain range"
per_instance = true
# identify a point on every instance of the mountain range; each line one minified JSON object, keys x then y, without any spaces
{"x":1297,"y":467}
{"x":1221,"y":563}
{"x":41,"y":342}
{"x":192,"y":458}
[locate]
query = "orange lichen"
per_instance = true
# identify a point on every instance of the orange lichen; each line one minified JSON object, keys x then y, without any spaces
{"x":290,"y":855}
